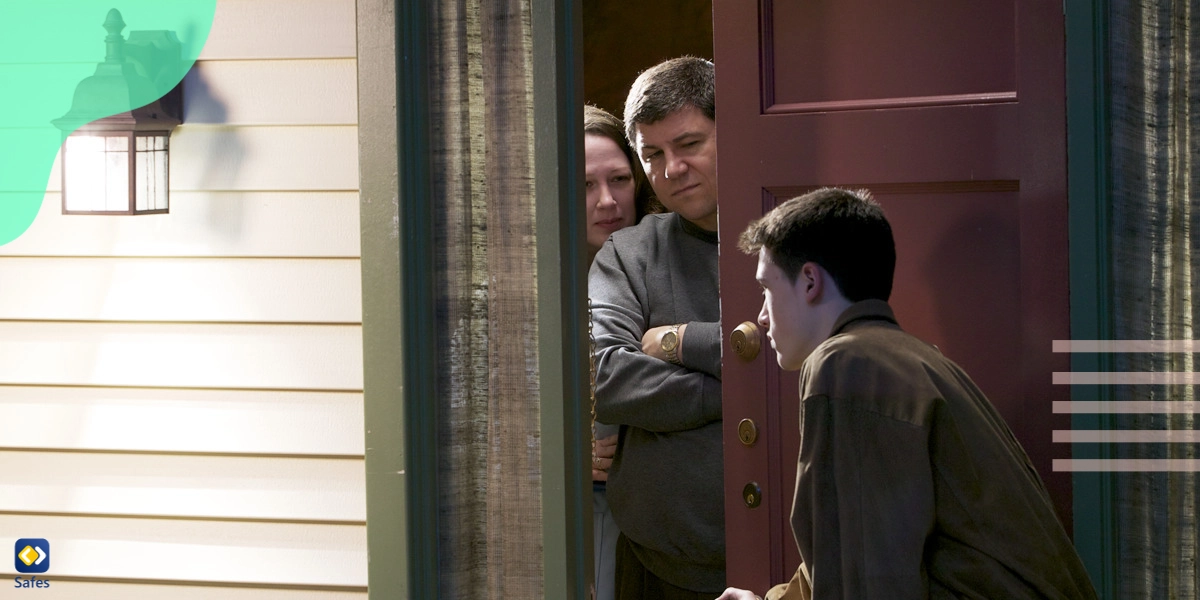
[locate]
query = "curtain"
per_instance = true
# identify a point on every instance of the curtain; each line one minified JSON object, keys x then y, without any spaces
{"x":489,"y":443}
{"x":1153,"y":78}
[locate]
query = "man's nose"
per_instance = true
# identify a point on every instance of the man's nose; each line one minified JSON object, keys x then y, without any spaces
{"x":762,"y":317}
{"x":675,"y":167}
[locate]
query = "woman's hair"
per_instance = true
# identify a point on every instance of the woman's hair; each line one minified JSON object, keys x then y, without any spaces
{"x":596,"y":121}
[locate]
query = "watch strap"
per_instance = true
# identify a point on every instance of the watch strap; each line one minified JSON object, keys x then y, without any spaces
{"x":673,"y":352}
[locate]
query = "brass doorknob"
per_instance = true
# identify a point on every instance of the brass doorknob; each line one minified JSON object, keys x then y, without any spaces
{"x":746,"y":341}
{"x":747,"y":432}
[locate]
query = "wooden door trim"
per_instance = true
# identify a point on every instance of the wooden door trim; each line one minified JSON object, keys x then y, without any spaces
{"x":1090,"y":259}
{"x":388,"y":503}
{"x":562,"y":266}
{"x":398,"y":296}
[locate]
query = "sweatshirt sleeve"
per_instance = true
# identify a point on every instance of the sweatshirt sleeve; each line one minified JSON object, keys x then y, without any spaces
{"x":702,"y":348}
{"x":633,"y":388}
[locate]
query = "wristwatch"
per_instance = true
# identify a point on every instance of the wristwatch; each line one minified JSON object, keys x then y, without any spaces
{"x":670,"y":344}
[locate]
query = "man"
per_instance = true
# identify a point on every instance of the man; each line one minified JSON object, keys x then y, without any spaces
{"x":908,"y":483}
{"x":656,"y":322}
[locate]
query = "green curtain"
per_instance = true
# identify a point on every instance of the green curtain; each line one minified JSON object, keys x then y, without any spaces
{"x":489,"y":440}
{"x":1154,"y":78}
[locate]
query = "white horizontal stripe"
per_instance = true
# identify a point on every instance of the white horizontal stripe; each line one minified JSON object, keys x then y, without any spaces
{"x":1127,"y":345}
{"x":1125,"y":407}
{"x":1128,"y":465}
{"x":1127,"y":378}
{"x":1127,"y":436}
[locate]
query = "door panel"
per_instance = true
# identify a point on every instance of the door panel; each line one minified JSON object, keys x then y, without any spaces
{"x":954,"y":117}
{"x":853,"y":57}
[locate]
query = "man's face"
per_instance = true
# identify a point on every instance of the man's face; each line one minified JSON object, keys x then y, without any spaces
{"x":786,"y":315}
{"x":679,"y":155}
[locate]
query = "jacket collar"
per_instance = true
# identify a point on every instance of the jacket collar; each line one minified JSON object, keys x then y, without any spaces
{"x":864,"y":310}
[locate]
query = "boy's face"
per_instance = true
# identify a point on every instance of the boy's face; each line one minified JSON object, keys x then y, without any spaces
{"x":786,"y":314}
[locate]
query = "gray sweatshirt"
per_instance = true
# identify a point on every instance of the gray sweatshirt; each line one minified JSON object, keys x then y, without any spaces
{"x":665,"y":485}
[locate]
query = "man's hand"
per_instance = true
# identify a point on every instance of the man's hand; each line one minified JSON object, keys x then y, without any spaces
{"x":603,"y":451}
{"x":652,"y":342}
{"x":737,"y":594}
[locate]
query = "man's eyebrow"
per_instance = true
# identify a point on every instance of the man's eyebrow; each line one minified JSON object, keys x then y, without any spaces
{"x":686,"y":134}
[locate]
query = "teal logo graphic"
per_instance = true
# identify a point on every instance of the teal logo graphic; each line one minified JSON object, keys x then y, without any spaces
{"x":46,"y":50}
{"x":32,"y":555}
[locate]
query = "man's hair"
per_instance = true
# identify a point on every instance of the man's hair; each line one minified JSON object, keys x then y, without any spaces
{"x":844,"y":232}
{"x":597,"y":121}
{"x":667,"y":87}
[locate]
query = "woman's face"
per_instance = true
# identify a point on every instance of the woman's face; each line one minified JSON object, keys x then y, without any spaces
{"x":609,"y":189}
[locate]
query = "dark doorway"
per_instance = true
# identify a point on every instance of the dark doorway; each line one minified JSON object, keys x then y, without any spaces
{"x":622,"y":38}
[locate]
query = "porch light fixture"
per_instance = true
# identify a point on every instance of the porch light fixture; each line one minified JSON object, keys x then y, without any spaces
{"x":114,"y":153}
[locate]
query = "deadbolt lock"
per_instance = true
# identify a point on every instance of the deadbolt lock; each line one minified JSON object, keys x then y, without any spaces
{"x":752,"y":495}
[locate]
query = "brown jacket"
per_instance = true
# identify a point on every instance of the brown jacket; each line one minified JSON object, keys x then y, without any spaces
{"x":910,"y":485}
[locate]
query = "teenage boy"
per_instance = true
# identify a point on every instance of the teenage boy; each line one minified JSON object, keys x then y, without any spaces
{"x":908,"y":483}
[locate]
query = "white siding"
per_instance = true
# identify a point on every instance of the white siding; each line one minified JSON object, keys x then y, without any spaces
{"x":198,"y":550}
{"x":276,"y":422}
{"x":283,"y":29}
{"x":193,"y":486}
{"x":203,"y":223}
{"x":74,"y":589}
{"x":185,"y":355}
{"x":181,"y":395}
{"x":300,"y":290}
{"x":270,"y":93}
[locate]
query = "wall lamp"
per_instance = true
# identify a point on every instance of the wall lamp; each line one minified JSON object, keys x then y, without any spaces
{"x":117,"y":133}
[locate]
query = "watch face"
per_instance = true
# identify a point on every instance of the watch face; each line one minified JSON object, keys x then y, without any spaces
{"x":669,"y":340}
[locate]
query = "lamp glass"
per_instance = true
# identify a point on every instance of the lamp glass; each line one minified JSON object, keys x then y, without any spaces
{"x":96,"y":172}
{"x":116,"y":173}
{"x":150,"y":186}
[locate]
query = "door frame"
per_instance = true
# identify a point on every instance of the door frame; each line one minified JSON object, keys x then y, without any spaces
{"x":398,"y":283}
{"x":388,"y":541}
{"x":1090,"y":259}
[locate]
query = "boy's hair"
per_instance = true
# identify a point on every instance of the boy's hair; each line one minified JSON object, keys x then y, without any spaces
{"x":597,"y":121}
{"x":844,"y":232}
{"x":667,"y":87}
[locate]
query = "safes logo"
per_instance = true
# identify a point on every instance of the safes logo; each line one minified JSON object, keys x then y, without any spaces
{"x":32,"y":555}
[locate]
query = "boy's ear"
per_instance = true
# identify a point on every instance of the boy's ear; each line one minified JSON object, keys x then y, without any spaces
{"x":811,"y":281}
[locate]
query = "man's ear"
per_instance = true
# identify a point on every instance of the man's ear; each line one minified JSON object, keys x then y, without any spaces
{"x":811,"y":281}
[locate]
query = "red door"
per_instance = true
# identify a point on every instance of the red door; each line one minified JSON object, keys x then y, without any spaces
{"x":953,"y":114}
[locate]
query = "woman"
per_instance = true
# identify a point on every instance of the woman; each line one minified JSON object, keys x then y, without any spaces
{"x":618,"y":195}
